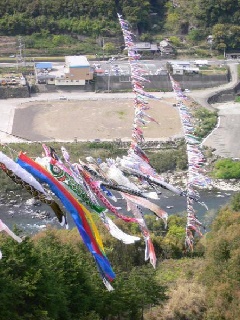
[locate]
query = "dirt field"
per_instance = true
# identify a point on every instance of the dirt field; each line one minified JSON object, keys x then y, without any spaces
{"x":89,"y":120}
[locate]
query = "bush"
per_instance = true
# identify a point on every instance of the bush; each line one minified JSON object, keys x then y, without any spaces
{"x":226,"y":169}
{"x":207,"y":120}
{"x":237,"y":99}
{"x":60,"y":45}
{"x":169,"y":160}
{"x":196,"y":35}
{"x":221,"y":274}
{"x":235,"y":202}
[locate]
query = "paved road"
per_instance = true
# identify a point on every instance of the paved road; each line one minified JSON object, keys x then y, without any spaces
{"x":225,"y":138}
{"x":201,"y":96}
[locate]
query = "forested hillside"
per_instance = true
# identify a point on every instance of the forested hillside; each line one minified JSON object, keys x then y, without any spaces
{"x":51,"y":276}
{"x":92,"y":18}
{"x":188,"y":20}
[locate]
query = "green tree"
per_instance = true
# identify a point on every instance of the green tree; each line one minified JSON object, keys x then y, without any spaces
{"x":66,"y":271}
{"x":173,"y":242}
{"x":47,"y":279}
{"x":109,"y":48}
{"x":217,"y":11}
{"x":235,"y":202}
{"x":20,"y":269}
{"x":226,"y":169}
{"x":134,"y":292}
{"x":221,"y":275}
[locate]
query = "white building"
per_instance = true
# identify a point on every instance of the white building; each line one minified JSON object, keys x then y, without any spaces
{"x":75,"y":72}
{"x":182,"y":67}
{"x":201,"y":63}
{"x":181,"y":70}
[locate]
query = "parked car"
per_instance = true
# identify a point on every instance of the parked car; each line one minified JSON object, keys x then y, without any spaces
{"x":62,"y":98}
{"x":158,"y":72}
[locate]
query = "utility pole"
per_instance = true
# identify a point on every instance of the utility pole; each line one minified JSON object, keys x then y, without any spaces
{"x":109,"y":70}
{"x":20,"y":56}
{"x":109,"y":75}
{"x":103,"y":45}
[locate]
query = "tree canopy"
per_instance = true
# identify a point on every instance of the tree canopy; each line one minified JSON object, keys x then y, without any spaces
{"x":99,"y":18}
{"x":83,"y":17}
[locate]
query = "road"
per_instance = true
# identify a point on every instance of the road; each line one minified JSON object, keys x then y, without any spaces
{"x":225,"y":138}
{"x":201,"y":96}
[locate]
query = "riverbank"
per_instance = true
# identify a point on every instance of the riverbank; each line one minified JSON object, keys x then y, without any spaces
{"x":180,"y":179}
{"x":21,"y":211}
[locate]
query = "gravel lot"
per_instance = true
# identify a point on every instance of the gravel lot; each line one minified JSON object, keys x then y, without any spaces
{"x":89,"y":119}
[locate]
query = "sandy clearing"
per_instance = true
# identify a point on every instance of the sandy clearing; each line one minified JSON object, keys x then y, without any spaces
{"x":92,"y":119}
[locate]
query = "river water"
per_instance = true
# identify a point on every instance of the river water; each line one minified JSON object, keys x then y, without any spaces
{"x":30,"y":216}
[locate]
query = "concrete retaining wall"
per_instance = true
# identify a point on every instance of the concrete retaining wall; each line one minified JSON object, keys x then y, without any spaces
{"x":123,"y":83}
{"x":14,"y":92}
{"x":161,"y":82}
{"x":201,"y":81}
{"x":225,"y":95}
{"x":149,"y":144}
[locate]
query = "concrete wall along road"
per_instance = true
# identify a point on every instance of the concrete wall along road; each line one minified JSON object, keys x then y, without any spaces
{"x":160,"y":82}
{"x":201,"y":81}
{"x":225,"y":95}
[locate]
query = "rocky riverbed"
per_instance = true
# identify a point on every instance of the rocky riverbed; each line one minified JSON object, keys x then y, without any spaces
{"x":180,"y":179}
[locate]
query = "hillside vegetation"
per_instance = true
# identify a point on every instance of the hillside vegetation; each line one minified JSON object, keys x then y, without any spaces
{"x":51,"y":276}
{"x":56,"y":24}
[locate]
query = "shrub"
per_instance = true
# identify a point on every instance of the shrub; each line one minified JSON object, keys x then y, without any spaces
{"x":221,"y":274}
{"x":207,"y":120}
{"x":235,"y":202}
{"x":237,"y":99}
{"x":169,"y":160}
{"x":226,"y":169}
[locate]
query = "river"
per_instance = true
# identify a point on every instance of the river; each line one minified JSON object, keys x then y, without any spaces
{"x":31,"y":217}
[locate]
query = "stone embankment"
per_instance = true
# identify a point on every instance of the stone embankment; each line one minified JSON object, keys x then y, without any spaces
{"x":151,"y":144}
{"x":14,"y":92}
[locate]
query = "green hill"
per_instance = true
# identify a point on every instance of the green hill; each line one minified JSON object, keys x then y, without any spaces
{"x":86,"y":27}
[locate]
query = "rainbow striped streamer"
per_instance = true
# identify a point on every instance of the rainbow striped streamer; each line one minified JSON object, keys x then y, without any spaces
{"x":77,"y":211}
